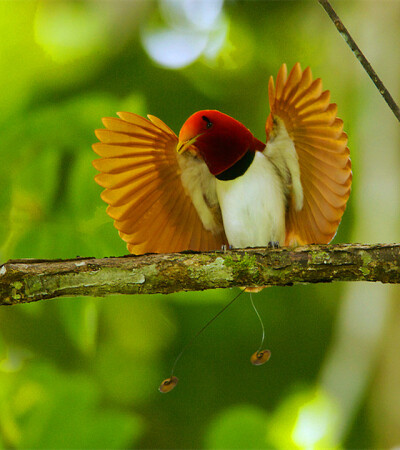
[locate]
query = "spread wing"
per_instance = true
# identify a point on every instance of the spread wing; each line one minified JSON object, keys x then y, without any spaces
{"x":160,"y":201}
{"x":323,"y":156}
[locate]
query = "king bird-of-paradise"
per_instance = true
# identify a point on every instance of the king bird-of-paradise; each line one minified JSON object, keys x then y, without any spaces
{"x":217,"y":184}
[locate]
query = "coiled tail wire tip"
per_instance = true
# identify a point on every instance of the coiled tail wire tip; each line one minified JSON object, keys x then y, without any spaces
{"x":260,"y":356}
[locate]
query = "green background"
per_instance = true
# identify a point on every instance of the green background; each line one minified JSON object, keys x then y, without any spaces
{"x":84,"y":372}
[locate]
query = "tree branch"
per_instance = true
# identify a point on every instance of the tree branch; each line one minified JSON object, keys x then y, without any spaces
{"x":29,"y":280}
{"x":360,"y":56}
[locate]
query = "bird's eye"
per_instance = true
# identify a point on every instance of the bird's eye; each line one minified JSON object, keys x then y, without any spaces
{"x":208,"y":121}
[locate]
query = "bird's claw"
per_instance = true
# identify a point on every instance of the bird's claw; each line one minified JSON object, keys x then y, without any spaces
{"x":224,"y":247}
{"x":273,"y":244}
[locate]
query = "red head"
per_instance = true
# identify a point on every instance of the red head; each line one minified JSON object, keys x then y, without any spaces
{"x":220,"y":139}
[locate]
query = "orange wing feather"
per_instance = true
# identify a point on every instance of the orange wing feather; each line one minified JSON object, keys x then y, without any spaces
{"x":143,"y":188}
{"x":321,"y":146}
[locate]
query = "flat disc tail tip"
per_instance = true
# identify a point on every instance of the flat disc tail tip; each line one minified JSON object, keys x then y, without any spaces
{"x":168,"y":384}
{"x":260,"y":357}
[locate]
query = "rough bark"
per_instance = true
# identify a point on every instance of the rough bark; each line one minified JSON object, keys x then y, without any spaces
{"x":29,"y":280}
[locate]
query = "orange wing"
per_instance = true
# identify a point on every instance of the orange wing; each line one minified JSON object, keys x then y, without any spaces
{"x":321,"y":146}
{"x":143,"y":188}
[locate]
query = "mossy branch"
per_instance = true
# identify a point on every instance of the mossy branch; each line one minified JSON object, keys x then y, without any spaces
{"x":29,"y":280}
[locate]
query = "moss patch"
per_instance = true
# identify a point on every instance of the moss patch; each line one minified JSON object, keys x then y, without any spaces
{"x":320,"y":257}
{"x":366,"y":259}
{"x":245,"y":265}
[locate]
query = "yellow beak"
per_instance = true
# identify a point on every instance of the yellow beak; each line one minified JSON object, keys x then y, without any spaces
{"x":184,"y":145}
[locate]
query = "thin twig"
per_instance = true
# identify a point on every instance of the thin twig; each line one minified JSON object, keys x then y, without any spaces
{"x":360,"y":56}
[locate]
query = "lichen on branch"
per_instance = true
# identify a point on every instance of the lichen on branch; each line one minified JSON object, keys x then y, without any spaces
{"x":29,"y":280}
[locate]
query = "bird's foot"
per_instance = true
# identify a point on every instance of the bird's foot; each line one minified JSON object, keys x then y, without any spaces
{"x":224,"y":247}
{"x":273,"y":244}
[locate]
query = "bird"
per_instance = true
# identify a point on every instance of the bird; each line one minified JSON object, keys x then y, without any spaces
{"x":215,"y":184}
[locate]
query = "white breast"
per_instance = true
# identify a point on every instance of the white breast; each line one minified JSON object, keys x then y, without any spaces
{"x":253,"y":205}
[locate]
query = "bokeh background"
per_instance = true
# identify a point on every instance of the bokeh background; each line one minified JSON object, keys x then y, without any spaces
{"x":84,"y":372}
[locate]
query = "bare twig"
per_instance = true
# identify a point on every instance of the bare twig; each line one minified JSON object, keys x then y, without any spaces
{"x":25,"y":280}
{"x":360,"y":56}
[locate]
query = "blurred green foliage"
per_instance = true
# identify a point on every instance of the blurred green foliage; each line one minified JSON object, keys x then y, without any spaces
{"x":83,"y":372}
